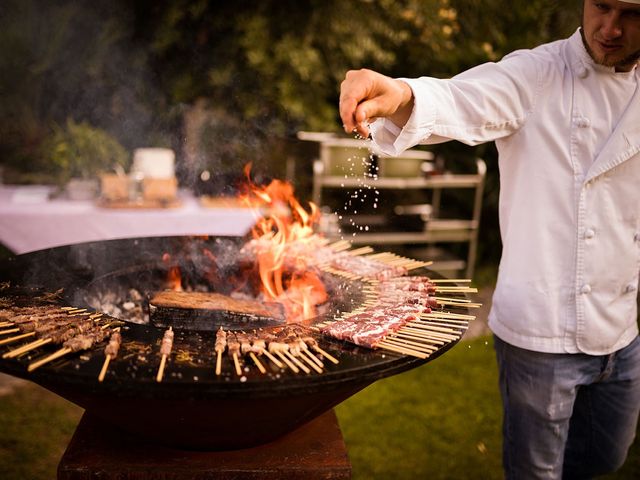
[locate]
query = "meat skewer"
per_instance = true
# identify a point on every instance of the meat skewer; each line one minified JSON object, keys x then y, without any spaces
{"x":311,"y":342}
{"x":299,"y":349}
{"x":110,"y":352}
{"x":247,"y":348}
{"x":260,"y":346}
{"x":165,"y":351}
{"x":54,"y":332}
{"x":278,"y":348}
{"x":293,"y":352}
{"x":76,"y":343}
{"x":233,"y":345}
{"x":220,"y":346}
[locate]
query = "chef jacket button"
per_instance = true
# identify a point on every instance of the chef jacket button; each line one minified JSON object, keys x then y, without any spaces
{"x":630,"y":288}
{"x":589,"y":233}
{"x":583,"y":122}
{"x":586,"y":288}
{"x":582,"y":71}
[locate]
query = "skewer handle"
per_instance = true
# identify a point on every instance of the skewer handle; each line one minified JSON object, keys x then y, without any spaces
{"x":103,"y":372}
{"x":163,"y":361}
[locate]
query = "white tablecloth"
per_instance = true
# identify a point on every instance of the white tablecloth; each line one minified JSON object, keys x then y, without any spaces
{"x":29,"y":223}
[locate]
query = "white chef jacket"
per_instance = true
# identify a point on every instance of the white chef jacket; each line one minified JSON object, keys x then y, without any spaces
{"x":568,"y":135}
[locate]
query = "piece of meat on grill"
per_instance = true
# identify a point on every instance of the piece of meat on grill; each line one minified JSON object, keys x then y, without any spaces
{"x":113,"y":346}
{"x":209,"y":301}
{"x":167,"y":343}
{"x":86,"y":340}
{"x":369,"y":328}
{"x":221,"y":341}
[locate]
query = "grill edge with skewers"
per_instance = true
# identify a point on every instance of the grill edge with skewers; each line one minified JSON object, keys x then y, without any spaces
{"x":187,"y":393}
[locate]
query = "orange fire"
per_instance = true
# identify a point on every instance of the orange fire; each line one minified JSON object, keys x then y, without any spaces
{"x":282,"y":221}
{"x":174,"y":278}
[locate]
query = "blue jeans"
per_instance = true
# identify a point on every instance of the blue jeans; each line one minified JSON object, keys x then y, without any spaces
{"x":570,"y":416}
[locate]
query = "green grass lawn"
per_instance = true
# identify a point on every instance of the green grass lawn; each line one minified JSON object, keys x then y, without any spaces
{"x":439,"y":421}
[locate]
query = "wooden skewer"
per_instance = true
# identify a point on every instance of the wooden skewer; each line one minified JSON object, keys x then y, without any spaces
{"x":105,"y":366}
{"x":423,"y":341}
{"x":458,"y":304}
{"x":25,"y":348}
{"x":454,"y":322}
{"x":376,"y":256}
{"x":326,"y":355}
{"x":453,"y":299}
{"x":48,"y":358}
{"x":456,"y":289}
{"x":219,"y":363}
{"x":404,"y":351}
{"x":423,"y":336}
{"x":432,"y":328}
{"x":257,"y":362}
{"x":420,"y":265}
{"x":298,"y":363}
{"x":272,"y":358}
{"x":313,"y":358}
{"x":289,"y":364}
{"x":438,"y":323}
{"x":459,"y":316}
{"x":340,"y":245}
{"x":237,"y":364}
{"x":360,"y":251}
{"x":310,"y":362}
{"x":160,"y":374}
{"x":16,"y":338}
{"x":411,"y":340}
{"x":6,"y":324}
{"x":392,"y":261}
{"x":409,"y":344}
{"x":167,"y":341}
{"x":450,"y":280}
{"x":430,"y":334}
{"x":73,"y":311}
{"x":10,"y":330}
{"x":110,"y":352}
{"x":427,"y":327}
{"x":438,"y":336}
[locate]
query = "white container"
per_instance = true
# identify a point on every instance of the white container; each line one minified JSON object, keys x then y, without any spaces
{"x":154,"y":162}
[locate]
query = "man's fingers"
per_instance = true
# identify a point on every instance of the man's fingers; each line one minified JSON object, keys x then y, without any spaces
{"x":348,"y":107}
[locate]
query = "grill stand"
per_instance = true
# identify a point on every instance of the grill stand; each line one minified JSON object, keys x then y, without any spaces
{"x":314,"y":451}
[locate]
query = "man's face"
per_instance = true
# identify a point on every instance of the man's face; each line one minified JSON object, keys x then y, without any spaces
{"x":611,"y":32}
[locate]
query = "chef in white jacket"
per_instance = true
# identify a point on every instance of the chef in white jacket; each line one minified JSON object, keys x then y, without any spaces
{"x":565,"y":117}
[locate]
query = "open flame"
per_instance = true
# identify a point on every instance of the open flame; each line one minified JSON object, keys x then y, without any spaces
{"x":280,"y":222}
{"x":174,"y":277}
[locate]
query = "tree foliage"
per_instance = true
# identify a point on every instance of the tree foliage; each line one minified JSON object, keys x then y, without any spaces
{"x":263,"y":69}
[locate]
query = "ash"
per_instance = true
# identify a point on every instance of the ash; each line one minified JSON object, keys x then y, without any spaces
{"x":131,"y":308}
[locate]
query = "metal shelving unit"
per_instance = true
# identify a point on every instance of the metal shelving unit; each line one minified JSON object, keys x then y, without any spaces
{"x":330,"y":173}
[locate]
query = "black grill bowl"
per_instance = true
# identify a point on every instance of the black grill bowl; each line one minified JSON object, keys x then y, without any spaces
{"x":191,"y":407}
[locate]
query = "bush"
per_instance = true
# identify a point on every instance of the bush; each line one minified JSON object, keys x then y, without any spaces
{"x":80,"y":150}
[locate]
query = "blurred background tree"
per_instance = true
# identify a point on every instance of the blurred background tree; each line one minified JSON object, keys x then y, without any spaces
{"x":228,"y":82}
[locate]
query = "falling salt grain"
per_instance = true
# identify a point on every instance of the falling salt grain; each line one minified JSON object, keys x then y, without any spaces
{"x":243,"y":379}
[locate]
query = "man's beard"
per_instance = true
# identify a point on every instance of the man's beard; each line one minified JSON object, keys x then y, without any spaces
{"x":625,"y":63}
